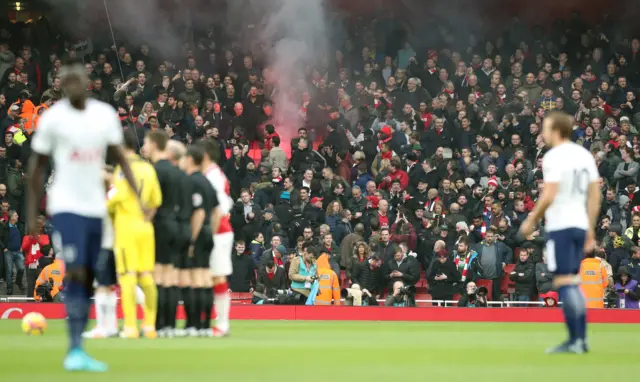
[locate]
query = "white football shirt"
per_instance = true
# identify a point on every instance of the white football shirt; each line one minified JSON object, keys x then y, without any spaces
{"x":221,"y":185}
{"x":573,"y":168}
{"x":77,"y":141}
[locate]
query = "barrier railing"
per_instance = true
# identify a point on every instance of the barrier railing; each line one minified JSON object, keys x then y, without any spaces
{"x":441,"y":303}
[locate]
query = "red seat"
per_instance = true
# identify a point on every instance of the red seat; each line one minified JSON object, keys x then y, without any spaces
{"x":487,"y":284}
{"x":507,"y":286}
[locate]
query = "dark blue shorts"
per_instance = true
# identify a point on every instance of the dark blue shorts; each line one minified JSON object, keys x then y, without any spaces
{"x":77,"y":240}
{"x":106,"y":269}
{"x":565,"y":250}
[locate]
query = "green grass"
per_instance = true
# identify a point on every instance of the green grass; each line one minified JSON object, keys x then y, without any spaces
{"x":265,"y":351}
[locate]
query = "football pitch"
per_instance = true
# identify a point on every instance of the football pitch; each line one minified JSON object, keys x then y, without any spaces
{"x":311,"y":351}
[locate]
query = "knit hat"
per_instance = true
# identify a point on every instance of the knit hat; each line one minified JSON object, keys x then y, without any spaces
{"x":616,"y":227}
{"x":416,"y":146}
{"x":493,"y":182}
{"x":285,"y":195}
{"x":386,"y":130}
{"x":442,"y":253}
{"x":281,"y":249}
{"x":315,"y":200}
{"x":622,"y":200}
{"x":469,"y":182}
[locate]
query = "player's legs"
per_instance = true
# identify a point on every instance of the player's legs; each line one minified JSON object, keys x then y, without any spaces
{"x":203,"y":283}
{"x":220,"y":268}
{"x":79,"y":240}
{"x":185,"y":282}
{"x":127,"y":265}
{"x":165,"y":275}
{"x":564,"y":252}
{"x":146,"y":264}
{"x":105,"y":297}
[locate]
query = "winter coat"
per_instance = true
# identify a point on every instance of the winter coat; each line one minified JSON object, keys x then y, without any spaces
{"x":524,"y":277}
{"x":446,"y":287}
{"x":409,"y":268}
{"x":367,"y":278}
{"x":243,"y":277}
{"x":341,"y":231}
{"x":277,"y":282}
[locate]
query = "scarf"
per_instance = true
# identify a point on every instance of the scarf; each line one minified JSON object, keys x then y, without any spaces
{"x":467,"y":259}
{"x":387,"y":155}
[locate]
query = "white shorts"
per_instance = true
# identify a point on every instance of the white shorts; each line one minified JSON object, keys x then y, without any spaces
{"x":220,"y":260}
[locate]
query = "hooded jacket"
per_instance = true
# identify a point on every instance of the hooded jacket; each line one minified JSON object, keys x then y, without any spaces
{"x":328,"y":283}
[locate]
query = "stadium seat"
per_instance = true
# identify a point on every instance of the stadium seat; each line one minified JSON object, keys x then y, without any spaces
{"x":507,"y":286}
{"x":487,"y":284}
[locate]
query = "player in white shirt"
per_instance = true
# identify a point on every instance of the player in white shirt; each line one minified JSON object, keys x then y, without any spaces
{"x":220,"y":261}
{"x":76,"y":133}
{"x":570,"y":203}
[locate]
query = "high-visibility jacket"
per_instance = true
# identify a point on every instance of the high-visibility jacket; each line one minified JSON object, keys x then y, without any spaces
{"x":593,"y":281}
{"x":328,"y":283}
{"x":54,"y":271}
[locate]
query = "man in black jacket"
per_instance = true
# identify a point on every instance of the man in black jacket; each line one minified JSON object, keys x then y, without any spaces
{"x":523,"y":276}
{"x":442,"y":276}
{"x":272,"y":277}
{"x":368,"y":275}
{"x":401,"y":268}
{"x":243,"y":277}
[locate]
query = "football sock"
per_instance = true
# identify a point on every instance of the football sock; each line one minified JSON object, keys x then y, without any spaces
{"x":100,"y":304}
{"x":128,"y":300}
{"x":160,"y":324}
{"x":222,"y":306}
{"x":573,"y":306}
{"x":110,"y":315}
{"x":150,"y":305}
{"x":208,"y":305}
{"x":77,"y":303}
{"x":172,"y":305}
{"x":197,"y":308}
{"x":187,"y":303}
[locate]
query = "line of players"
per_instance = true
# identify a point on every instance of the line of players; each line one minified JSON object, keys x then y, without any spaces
{"x":185,"y":253}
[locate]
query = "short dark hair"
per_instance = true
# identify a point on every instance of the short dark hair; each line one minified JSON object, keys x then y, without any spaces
{"x":130,"y":139}
{"x":562,"y":123}
{"x":159,"y":137}
{"x":212,"y":149}
{"x":275,"y":141}
{"x":196,"y":152}
{"x":270,"y":128}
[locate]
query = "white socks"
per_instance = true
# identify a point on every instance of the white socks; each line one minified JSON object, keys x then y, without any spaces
{"x":100,"y":305}
{"x":222,"y":306}
{"x":111,"y":318}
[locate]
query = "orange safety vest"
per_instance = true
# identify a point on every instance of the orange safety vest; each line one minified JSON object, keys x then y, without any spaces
{"x":54,"y":271}
{"x":328,"y":284}
{"x":593,"y":282}
{"x":32,"y":124}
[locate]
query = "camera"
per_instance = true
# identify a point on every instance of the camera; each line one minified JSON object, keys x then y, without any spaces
{"x":482,"y":292}
{"x":408,"y":290}
{"x":44,"y":291}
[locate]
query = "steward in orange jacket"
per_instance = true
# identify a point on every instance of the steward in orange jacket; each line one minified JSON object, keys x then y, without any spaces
{"x":54,"y":271}
{"x":328,"y":283}
{"x":593,"y":281}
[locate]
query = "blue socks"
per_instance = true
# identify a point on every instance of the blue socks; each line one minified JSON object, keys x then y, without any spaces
{"x":77,"y":302}
{"x":575,"y":312}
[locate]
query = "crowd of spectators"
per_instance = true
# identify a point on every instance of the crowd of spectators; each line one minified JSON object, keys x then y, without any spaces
{"x":409,"y":166}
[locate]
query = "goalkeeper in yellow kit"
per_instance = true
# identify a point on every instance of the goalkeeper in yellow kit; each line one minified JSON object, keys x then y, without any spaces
{"x":134,"y":244}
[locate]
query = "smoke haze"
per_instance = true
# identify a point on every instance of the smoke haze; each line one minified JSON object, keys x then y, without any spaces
{"x":293,"y":34}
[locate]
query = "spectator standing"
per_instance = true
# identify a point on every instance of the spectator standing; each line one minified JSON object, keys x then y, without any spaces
{"x":401,"y":268}
{"x":243,"y":277}
{"x":31,"y":248}
{"x":442,"y":277}
{"x":13,"y":257}
{"x":523,"y":276}
{"x":492,"y":258}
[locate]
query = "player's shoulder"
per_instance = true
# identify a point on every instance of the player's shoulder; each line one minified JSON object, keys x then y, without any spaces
{"x":567,"y":154}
